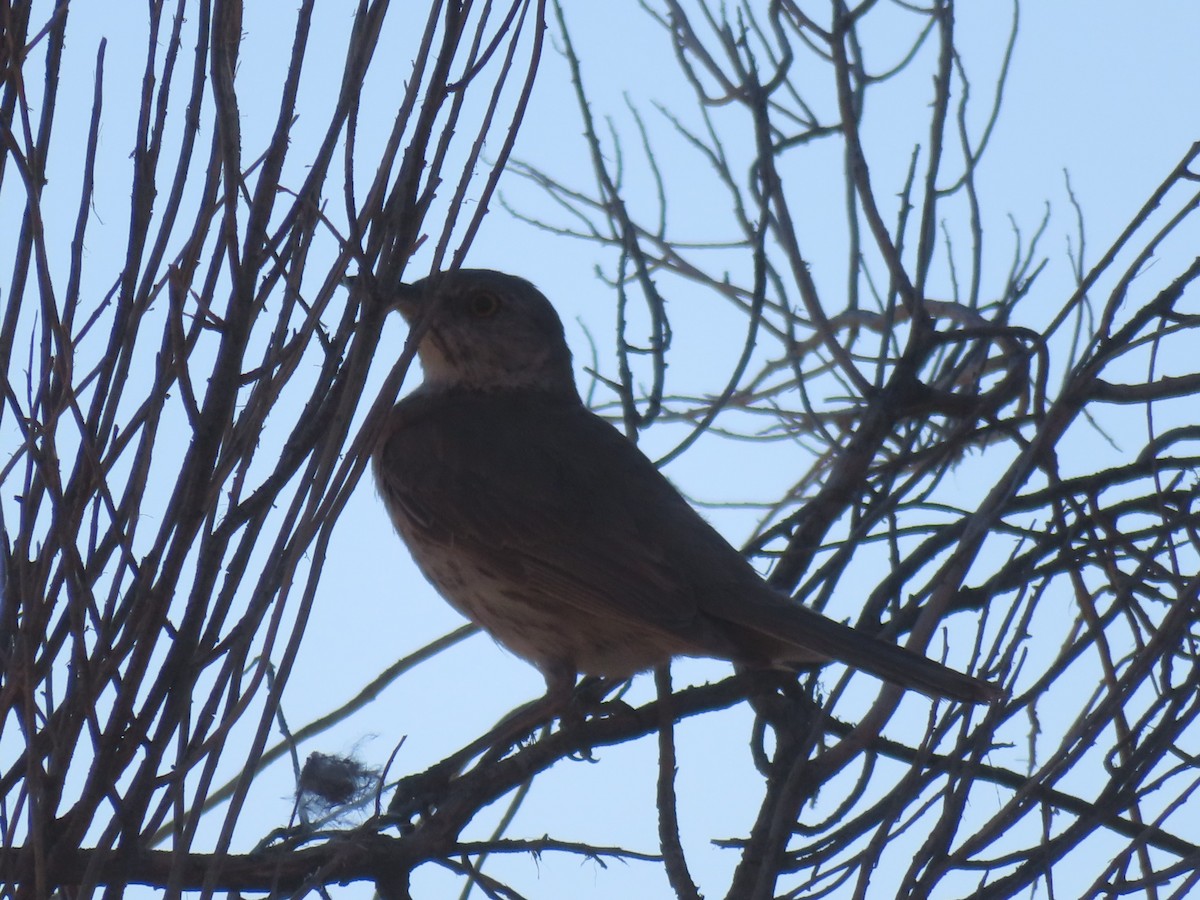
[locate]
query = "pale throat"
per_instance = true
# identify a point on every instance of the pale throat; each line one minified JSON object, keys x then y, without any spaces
{"x":538,"y":370}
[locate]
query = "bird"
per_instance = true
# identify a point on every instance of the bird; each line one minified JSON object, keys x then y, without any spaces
{"x":543,"y":524}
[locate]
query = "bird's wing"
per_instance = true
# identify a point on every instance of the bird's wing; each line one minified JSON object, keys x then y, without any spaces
{"x":555,"y":498}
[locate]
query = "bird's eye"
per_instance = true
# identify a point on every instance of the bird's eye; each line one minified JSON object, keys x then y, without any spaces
{"x":484,"y":305}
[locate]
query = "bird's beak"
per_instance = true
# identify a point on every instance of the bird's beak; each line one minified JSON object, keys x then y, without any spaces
{"x":410,"y":299}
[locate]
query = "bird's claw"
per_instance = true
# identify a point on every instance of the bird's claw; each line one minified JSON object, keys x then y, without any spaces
{"x":418,"y":796}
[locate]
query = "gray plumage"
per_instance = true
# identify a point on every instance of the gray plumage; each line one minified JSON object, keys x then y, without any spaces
{"x":539,"y":521}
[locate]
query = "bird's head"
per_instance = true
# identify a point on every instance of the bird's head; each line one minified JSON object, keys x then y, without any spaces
{"x":487,"y":331}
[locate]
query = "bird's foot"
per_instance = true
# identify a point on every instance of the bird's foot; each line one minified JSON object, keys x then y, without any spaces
{"x":418,"y":796}
{"x":593,"y":698}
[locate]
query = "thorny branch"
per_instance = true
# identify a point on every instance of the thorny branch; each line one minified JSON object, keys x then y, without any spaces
{"x":945,"y":369}
{"x":181,"y":441}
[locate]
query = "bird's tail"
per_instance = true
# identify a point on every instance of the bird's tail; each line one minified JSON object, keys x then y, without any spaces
{"x":801,"y":631}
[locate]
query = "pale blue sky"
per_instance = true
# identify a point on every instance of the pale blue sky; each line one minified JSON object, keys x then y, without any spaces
{"x":1103,"y":89}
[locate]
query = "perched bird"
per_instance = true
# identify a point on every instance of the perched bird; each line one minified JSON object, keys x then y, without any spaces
{"x":543,"y":524}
